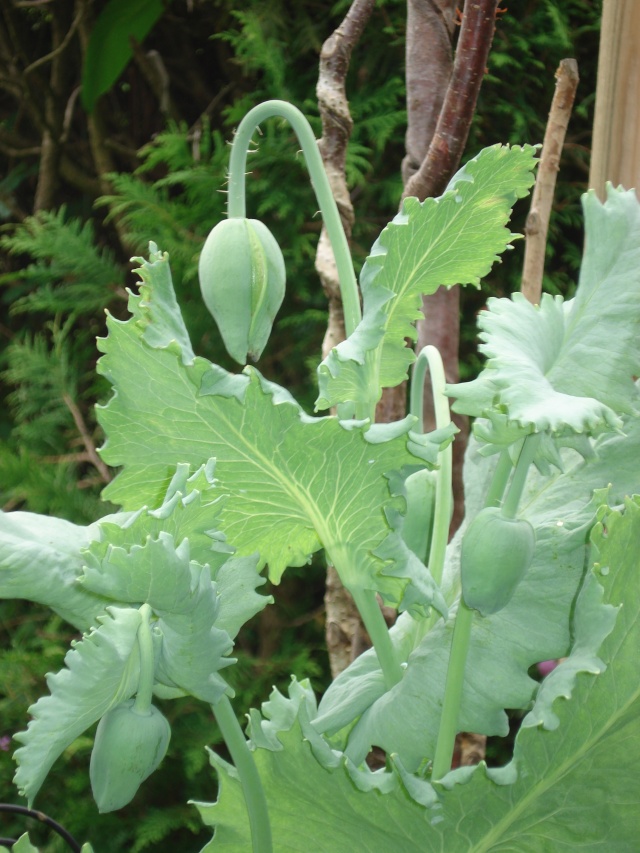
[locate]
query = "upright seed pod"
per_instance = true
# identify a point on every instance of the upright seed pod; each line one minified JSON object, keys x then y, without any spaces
{"x":242,"y":280}
{"x":495,"y":555}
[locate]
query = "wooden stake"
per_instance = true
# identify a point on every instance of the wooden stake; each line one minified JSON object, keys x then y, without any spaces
{"x":537,"y":224}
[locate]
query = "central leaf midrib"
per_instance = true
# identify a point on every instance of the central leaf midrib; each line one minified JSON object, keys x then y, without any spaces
{"x":286,"y":482}
{"x":550,"y":780}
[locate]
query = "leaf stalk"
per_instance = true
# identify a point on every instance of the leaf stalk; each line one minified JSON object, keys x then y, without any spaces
{"x":369,"y":609}
{"x":142,"y":703}
{"x":453,"y":692}
{"x":250,"y":781}
{"x":430,"y":358}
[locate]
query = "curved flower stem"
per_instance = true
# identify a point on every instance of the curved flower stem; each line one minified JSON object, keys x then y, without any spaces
{"x":250,"y":781}
{"x":429,"y":357}
{"x":320,"y":182}
{"x":142,"y":702}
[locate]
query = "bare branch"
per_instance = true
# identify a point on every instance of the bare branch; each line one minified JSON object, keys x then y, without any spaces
{"x":537,"y":223}
{"x":86,"y":439}
{"x":336,"y":130}
{"x":60,"y":48}
{"x":343,"y":627}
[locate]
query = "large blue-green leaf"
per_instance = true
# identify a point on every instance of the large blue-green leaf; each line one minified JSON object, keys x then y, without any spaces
{"x":40,"y":560}
{"x":571,"y":785}
{"x":290,"y":483}
{"x":568,"y":366}
{"x":159,"y":573}
{"x":100,"y":671}
{"x":454,"y":239}
{"x":404,"y":720}
{"x":189,"y":512}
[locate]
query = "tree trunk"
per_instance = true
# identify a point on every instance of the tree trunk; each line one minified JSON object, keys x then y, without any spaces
{"x":344,"y":632}
{"x":442,"y":153}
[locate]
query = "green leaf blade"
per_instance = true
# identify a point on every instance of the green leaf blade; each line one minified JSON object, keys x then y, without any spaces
{"x":454,"y":239}
{"x":569,"y":366}
{"x":40,"y":560}
{"x":288,"y":484}
{"x":573,"y":786}
{"x":109,"y":50}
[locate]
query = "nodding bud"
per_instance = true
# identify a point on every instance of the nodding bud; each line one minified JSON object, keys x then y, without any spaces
{"x":128,"y":747}
{"x":242,"y":279}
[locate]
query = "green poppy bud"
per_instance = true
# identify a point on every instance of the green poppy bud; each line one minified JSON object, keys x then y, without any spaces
{"x":496,"y":553}
{"x":242,"y":279}
{"x":127,"y":749}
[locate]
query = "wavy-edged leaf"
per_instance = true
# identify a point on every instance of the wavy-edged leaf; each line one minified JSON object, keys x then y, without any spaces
{"x":190,"y":511}
{"x":569,"y":366}
{"x":100,"y":671}
{"x":292,"y":483}
{"x":311,"y":806}
{"x":577,"y":781}
{"x":574,"y":784}
{"x":404,"y":720}
{"x":454,"y":239}
{"x":40,"y":560}
{"x":159,"y":573}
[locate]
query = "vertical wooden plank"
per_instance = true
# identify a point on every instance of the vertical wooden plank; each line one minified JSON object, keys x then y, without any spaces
{"x":615,"y":152}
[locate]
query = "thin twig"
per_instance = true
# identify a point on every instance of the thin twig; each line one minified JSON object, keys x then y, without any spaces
{"x":86,"y":438}
{"x":60,"y":48}
{"x":537,"y":224}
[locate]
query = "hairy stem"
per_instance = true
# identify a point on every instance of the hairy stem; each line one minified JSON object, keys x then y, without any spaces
{"x":320,"y":182}
{"x":250,"y":782}
{"x":144,"y":694}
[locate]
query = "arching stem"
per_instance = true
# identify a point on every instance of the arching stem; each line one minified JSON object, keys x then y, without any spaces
{"x":430,"y":358}
{"x":321,"y":186}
